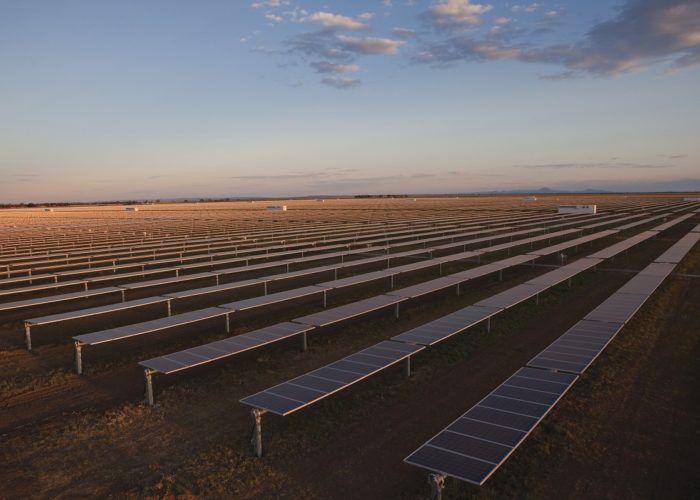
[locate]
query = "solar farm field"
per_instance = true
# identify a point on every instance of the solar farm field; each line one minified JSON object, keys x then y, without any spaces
{"x":470,"y":347}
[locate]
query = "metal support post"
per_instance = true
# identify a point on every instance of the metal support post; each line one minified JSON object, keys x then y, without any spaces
{"x":304,"y":345}
{"x":391,"y":281}
{"x":537,"y":299}
{"x":256,"y":415}
{"x":458,"y":290}
{"x":488,"y":325}
{"x":149,"y":387}
{"x":28,"y":336}
{"x":170,"y":310}
{"x":569,"y":283}
{"x":78,"y":358}
{"x":500,"y":275}
{"x":407,"y":367}
{"x":228,"y":322}
{"x":396,"y":311}
{"x":325,"y":298}
{"x":437,"y":484}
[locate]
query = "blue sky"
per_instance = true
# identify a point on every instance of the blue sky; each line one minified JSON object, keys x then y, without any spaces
{"x":132,"y":99}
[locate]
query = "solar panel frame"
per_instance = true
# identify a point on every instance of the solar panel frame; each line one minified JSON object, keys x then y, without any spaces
{"x":152,"y":326}
{"x":445,"y":327}
{"x":469,"y":460}
{"x":348,"y":311}
{"x":618,"y":308}
{"x":231,"y":346}
{"x":512,"y":296}
{"x":329,"y":379}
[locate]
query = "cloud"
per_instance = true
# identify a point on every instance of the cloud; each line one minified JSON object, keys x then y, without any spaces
{"x":404,"y":33}
{"x":673,"y":157}
{"x":643,"y":33}
{"x":526,"y":8}
{"x":456,"y":13}
{"x":465,"y":49}
{"x":341,"y":82}
{"x":366,"y":16}
{"x":369,"y":45}
{"x":327,"y":67}
{"x":334,"y":21}
{"x":318,"y":44}
{"x":269,"y":4}
{"x":273,"y":17}
{"x":560,"y":76}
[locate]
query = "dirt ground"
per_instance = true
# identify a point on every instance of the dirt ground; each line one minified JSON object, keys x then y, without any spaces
{"x":629,"y":428}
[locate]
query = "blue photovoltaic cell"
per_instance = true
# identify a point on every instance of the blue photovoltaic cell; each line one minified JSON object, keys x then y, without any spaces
{"x":477,"y":443}
{"x":339,"y":375}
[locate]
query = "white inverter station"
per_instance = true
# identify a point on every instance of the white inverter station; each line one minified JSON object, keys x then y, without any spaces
{"x":578,"y":209}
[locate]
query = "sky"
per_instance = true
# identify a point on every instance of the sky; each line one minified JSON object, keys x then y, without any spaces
{"x":127,"y":99}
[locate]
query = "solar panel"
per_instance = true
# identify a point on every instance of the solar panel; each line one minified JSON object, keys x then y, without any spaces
{"x":565,"y":272}
{"x":8,"y":293}
{"x":358,"y":279}
{"x":442,"y":328}
{"x":65,"y":297}
{"x":618,"y":308}
{"x":426,"y":287}
{"x":473,"y":447}
{"x":152,"y":326}
{"x":648,"y":280}
{"x":673,"y":222}
{"x":318,"y":384}
{"x":347,"y":311}
{"x":275,"y":298}
{"x":167,"y":281}
{"x":571,"y":243}
{"x":623,"y":245}
{"x":94,"y":311}
{"x":220,"y":349}
{"x":512,"y":296}
{"x":574,"y":351}
{"x":676,"y":253}
{"x":194,"y":292}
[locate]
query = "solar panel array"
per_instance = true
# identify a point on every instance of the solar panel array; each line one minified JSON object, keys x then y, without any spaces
{"x":477,"y":443}
{"x":366,"y":306}
{"x":437,"y":330}
{"x":472,"y":447}
{"x":199,"y":275}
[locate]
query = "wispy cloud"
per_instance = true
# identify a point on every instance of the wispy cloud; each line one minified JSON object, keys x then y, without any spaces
{"x":404,"y":33}
{"x":643,"y":33}
{"x":456,"y":13}
{"x":328,"y":67}
{"x":335,"y":21}
{"x":341,"y":82}
{"x":368,"y":45}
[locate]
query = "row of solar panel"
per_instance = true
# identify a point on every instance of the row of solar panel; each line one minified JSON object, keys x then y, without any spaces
{"x":275,"y":399}
{"x":477,"y":443}
{"x":362,"y":307}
